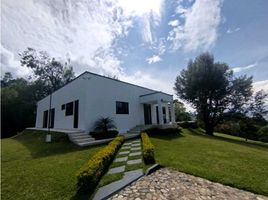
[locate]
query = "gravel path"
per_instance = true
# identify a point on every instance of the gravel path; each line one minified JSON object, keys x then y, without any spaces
{"x":170,"y":184}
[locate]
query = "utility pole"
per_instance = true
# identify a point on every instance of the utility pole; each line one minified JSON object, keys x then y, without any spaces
{"x":48,"y":136}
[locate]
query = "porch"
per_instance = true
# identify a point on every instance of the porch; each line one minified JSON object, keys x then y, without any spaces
{"x":158,"y":108}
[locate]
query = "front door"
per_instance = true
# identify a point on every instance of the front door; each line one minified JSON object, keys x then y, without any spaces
{"x":147,"y":114}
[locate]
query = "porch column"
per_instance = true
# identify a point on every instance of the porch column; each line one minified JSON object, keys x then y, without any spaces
{"x":167,"y":113}
{"x":160,"y":112}
{"x":172,"y":112}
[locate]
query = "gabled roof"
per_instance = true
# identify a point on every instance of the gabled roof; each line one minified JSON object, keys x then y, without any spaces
{"x":87,"y":72}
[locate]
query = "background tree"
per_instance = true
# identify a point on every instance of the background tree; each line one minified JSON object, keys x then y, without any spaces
{"x":257,"y":107}
{"x":17,"y":105}
{"x":49,"y":72}
{"x":180,"y":111}
{"x":19,"y":96}
{"x":210,"y":87}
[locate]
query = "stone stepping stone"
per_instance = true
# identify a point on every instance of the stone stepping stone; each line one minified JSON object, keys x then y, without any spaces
{"x":135,"y":149}
{"x":123,"y":152}
{"x":117,"y":170}
{"x":126,"y":144}
{"x":107,"y":190}
{"x":135,"y":145}
{"x":135,"y":153}
{"x":136,"y":141}
{"x":132,"y":162}
{"x":120,"y":159}
{"x":126,"y":147}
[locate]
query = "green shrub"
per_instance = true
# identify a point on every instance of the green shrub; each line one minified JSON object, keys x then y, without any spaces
{"x":148,"y":149}
{"x":229,"y":127}
{"x":162,"y":131}
{"x":98,"y":135}
{"x":263,"y":134}
{"x":188,"y":124}
{"x":90,"y":174}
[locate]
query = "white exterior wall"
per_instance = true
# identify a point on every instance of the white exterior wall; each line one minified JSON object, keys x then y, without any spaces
{"x":71,"y":92}
{"x":101,"y":102}
{"x":97,"y":97}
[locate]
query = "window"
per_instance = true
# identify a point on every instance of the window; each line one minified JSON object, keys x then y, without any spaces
{"x":121,"y":107}
{"x":69,"y":109}
{"x":63,"y":107}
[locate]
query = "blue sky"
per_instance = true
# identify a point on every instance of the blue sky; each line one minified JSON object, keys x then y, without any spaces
{"x":144,"y":42}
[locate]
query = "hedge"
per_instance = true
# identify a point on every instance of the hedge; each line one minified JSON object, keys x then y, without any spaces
{"x":104,"y":135}
{"x":90,"y":174}
{"x":148,"y":149}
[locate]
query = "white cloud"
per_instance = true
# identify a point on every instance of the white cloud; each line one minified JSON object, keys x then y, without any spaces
{"x":147,"y":80}
{"x":239,"y":69}
{"x":9,"y":64}
{"x":174,"y":22}
{"x":200,"y":26}
{"x":148,"y":13}
{"x":154,"y":59}
{"x":261,"y":85}
{"x":229,"y":30}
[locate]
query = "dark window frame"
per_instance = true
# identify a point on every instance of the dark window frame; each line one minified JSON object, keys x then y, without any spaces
{"x":69,"y":109}
{"x":122,"y":108}
{"x":63,"y":107}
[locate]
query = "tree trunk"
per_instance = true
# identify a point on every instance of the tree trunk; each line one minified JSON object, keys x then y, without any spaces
{"x":209,"y":129}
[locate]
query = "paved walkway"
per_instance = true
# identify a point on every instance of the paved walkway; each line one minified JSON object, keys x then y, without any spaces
{"x":128,"y":156}
{"x":170,"y":184}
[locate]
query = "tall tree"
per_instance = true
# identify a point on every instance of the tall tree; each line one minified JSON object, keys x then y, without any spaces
{"x":258,"y":107}
{"x":48,"y":71}
{"x":210,"y":86}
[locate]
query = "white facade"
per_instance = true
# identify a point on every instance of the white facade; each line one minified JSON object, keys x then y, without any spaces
{"x":97,"y":96}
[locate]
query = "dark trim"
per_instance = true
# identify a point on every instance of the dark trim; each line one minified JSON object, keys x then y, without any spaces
{"x":76,"y":111}
{"x":155,"y":93}
{"x":87,"y":72}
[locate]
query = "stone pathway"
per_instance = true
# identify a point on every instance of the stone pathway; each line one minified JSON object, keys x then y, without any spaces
{"x":129,"y":155}
{"x":170,"y":184}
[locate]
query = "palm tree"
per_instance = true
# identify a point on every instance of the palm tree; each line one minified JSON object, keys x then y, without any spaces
{"x":104,"y":124}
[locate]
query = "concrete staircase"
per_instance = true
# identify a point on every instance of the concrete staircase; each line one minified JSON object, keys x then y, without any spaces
{"x":81,"y":138}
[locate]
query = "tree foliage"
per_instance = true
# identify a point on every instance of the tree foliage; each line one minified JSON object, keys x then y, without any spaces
{"x":19,"y":95}
{"x":17,"y":105}
{"x":49,"y":72}
{"x":180,"y":111}
{"x":211,"y":88}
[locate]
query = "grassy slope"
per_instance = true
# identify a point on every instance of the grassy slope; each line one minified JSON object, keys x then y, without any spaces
{"x":226,"y":160}
{"x":32,"y":169}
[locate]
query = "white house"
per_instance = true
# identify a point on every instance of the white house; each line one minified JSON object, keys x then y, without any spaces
{"x":78,"y":104}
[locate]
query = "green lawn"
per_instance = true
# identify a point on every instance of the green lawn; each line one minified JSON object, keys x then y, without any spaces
{"x":32,"y":169}
{"x":225,"y":159}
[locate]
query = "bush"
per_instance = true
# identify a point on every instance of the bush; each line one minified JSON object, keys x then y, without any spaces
{"x":263,"y":134}
{"x":98,"y":135}
{"x":90,"y":174}
{"x":229,"y":127}
{"x":162,"y":131}
{"x":188,"y":124}
{"x":148,"y":149}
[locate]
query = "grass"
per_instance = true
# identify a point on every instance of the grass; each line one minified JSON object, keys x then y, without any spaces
{"x":109,"y":178}
{"x":222,"y":158}
{"x":33,"y":169}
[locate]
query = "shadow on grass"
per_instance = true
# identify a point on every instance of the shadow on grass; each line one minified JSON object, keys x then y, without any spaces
{"x":201,"y":133}
{"x":34,"y":141}
{"x":166,"y":136}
